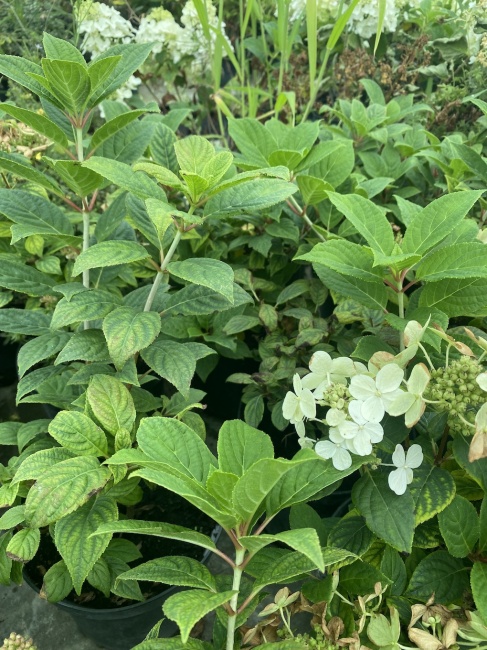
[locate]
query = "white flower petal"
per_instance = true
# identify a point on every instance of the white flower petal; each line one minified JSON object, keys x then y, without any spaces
{"x":374,"y":431}
{"x":320,"y":363}
{"x":297,"y":384}
{"x":415,"y":412}
{"x":342,"y":459}
{"x":348,"y":430}
{"x":409,"y":475}
{"x":325,"y":449}
{"x":414,"y":457}
{"x":361,"y":444}
{"x":343,"y":366}
{"x":389,"y":398}
{"x":311,"y":381}
{"x":299,"y":426}
{"x":482,"y":380}
{"x":307,"y":404}
{"x":355,"y":411}
{"x":362,"y":387}
{"x":399,"y":457}
{"x":401,"y":404}
{"x":373,"y":409}
{"x":397,"y":481}
{"x":335,"y":417}
{"x":335,"y":436}
{"x":290,"y":406}
{"x":419,"y":379}
{"x":389,"y":378}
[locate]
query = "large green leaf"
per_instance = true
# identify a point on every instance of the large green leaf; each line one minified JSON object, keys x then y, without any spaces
{"x":240,"y":446}
{"x":24,"y":544}
{"x":109,"y":253}
{"x":197,"y":300}
{"x":22,"y":278}
{"x":437,"y":220}
{"x":172,"y":361}
{"x":345,"y":258}
{"x":128,"y":331}
{"x":478,"y":580}
{"x":186,"y":608}
{"x":250,"y":197}
{"x":433,"y":489}
{"x":34,"y":466}
{"x":114,"y":125}
{"x":78,"y":433}
{"x":63,"y":488}
{"x":12,"y":517}
{"x":173,"y":570}
{"x":464,"y":260}
{"x":123,"y":175}
{"x":459,"y":526}
{"x":193,"y":153}
{"x":78,"y":179}
{"x":40,"y":348}
{"x":100,"y":73}
{"x":58,"y":48}
{"x":69,"y":82}
{"x":129,"y":144}
{"x":73,"y":538}
{"x":367,"y":219}
{"x":173,"y":443}
{"x":86,"y":345}
{"x":87,"y":305}
{"x":111,"y":403}
{"x":456,"y":297}
{"x":369,"y":294}
{"x":303,"y":540}
{"x":352,"y":534}
{"x":38,"y":122}
{"x":32,"y":215}
{"x":22,"y":168}
{"x":439,"y":574}
{"x":389,"y":516}
{"x":23,"y":72}
{"x":205,"y":272}
{"x":57,"y":583}
{"x":22,"y":321}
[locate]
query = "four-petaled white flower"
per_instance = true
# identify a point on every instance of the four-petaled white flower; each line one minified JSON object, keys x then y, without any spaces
{"x":411,"y":403}
{"x":326,"y":371}
{"x":482,"y":380}
{"x":401,"y":477}
{"x":359,"y":432}
{"x":298,"y":405}
{"x":335,"y":448}
{"x":379,"y":393}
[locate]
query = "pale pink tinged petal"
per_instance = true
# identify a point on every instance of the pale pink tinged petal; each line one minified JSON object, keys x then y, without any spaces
{"x":308,"y":404}
{"x":320,"y":363}
{"x":399,"y":456}
{"x":482,"y":380}
{"x":311,"y":381}
{"x":373,"y":409}
{"x":355,"y":410}
{"x":297,"y":384}
{"x":348,"y":430}
{"x":335,"y":417}
{"x":299,"y":426}
{"x":414,"y":414}
{"x":414,"y":456}
{"x":362,"y":444}
{"x":374,"y":431}
{"x":389,"y":378}
{"x":397,"y":481}
{"x":290,"y":406}
{"x":325,"y":449}
{"x":362,"y":387}
{"x":401,"y":404}
{"x":342,"y":459}
{"x":418,"y":379}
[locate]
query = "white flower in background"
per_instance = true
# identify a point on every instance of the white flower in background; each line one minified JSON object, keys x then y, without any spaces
{"x":358,"y":431}
{"x":402,"y":476}
{"x":378,"y":393}
{"x":365,"y":18}
{"x":160,"y":28}
{"x":411,"y":403}
{"x":127,"y":90}
{"x":299,"y":405}
{"x":103,"y":27}
{"x":335,"y":448}
{"x":326,"y":10}
{"x":326,"y":371}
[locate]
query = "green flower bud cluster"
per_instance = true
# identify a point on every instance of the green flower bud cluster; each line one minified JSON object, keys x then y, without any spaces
{"x":336,"y":396}
{"x":318,"y":642}
{"x":457,"y":392}
{"x":16,"y":642}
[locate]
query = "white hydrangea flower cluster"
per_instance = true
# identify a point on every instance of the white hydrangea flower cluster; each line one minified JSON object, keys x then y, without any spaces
{"x":159,"y":27}
{"x":102,"y":26}
{"x":365,"y":18}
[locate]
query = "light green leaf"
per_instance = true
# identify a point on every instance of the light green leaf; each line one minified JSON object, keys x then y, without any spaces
{"x":109,"y":253}
{"x":368,"y":294}
{"x":87,"y":305}
{"x":58,"y":48}
{"x":440,"y":574}
{"x":113,"y":126}
{"x":69,"y":82}
{"x":456,"y":297}
{"x":314,"y":190}
{"x":433,"y":489}
{"x":34,"y":466}
{"x":57,"y":583}
{"x":78,"y":179}
{"x":40,"y":348}
{"x":73,"y":538}
{"x":123,"y":175}
{"x":87,"y":345}
{"x":186,"y":608}
{"x":205,"y":272}
{"x":459,"y":526}
{"x":467,"y":260}
{"x":389,"y":516}
{"x":171,"y":570}
{"x":23,"y":72}
{"x":24,"y":544}
{"x":478,"y":580}
{"x":128,"y":331}
{"x":22,"y":168}
{"x":193,"y":153}
{"x":240,"y":446}
{"x":22,"y":278}
{"x":172,"y":361}
{"x":63,"y":488}
{"x":32,"y":215}
{"x":303,"y":540}
{"x":78,"y":433}
{"x":250,"y":197}
{"x":100,"y":73}
{"x":163,"y":175}
{"x":111,"y":403}
{"x":12,"y":518}
{"x":254,"y":411}
{"x":8,"y":432}
{"x":345,"y":258}
{"x":432,"y":224}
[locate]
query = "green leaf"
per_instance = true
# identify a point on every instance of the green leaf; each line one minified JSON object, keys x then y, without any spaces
{"x":303,"y":540}
{"x":78,"y":179}
{"x":314,"y":190}
{"x":478,"y":581}
{"x":186,"y":608}
{"x":351,"y":533}
{"x":428,"y":227}
{"x":63,"y":488}
{"x":87,"y":345}
{"x":69,"y":82}
{"x":32,"y":215}
{"x":78,"y":433}
{"x":123,"y":176}
{"x":23,"y":545}
{"x":172,"y":361}
{"x":36,"y":464}
{"x":389,"y":516}
{"x":368,"y":294}
{"x":456,"y":297}
{"x":22,"y":168}
{"x":12,"y":518}
{"x":238,"y":324}
{"x":432,"y":489}
{"x":23,"y":72}
{"x":250,"y":197}
{"x":100,"y":578}
{"x":393,"y":567}
{"x":58,"y":48}
{"x":205,"y":272}
{"x":173,"y":443}
{"x":21,"y":321}
{"x":332,"y":161}
{"x":439,"y":574}
{"x":459,"y":526}
{"x":57,"y":583}
{"x":8,"y":433}
{"x":109,"y":253}
{"x":465,"y":260}
{"x":129,"y":144}
{"x":111,"y":403}
{"x":483,"y":527}
{"x":173,"y":570}
{"x":73,"y":538}
{"x":254,"y":410}
{"x":367,"y":219}
{"x":193,"y":153}
{"x":360,"y":578}
{"x":477,"y":469}
{"x":100,"y":73}
{"x":112,"y":127}
{"x":197,"y":300}
{"x":346,"y":258}
{"x":87,"y":305}
{"x":128,"y":331}
{"x":22,"y":278}
{"x":240,"y":446}
{"x":156,"y":529}
{"x":162,"y":147}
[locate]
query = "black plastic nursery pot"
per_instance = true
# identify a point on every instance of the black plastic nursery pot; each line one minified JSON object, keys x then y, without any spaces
{"x":124,"y":627}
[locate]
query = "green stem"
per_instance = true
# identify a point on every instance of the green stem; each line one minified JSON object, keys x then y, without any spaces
{"x":165,"y":262}
{"x":400,"y":305}
{"x":306,"y":219}
{"x":232,"y":619}
{"x":86,"y":216}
